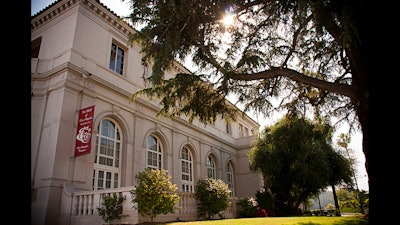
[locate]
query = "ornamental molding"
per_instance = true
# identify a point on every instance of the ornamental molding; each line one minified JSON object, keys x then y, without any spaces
{"x":59,"y":7}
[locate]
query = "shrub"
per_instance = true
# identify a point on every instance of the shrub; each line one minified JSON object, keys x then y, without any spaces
{"x":247,"y":207}
{"x":261,"y":212}
{"x":111,"y":208}
{"x":212,"y":196}
{"x":265,"y":200}
{"x":155,"y":193}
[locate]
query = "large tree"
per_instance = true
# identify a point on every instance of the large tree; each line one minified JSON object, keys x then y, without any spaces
{"x":293,"y":55}
{"x":297,"y":161}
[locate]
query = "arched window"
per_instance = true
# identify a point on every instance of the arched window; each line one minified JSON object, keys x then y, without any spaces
{"x":107,"y":159}
{"x":211,"y":167}
{"x":187,"y":170}
{"x":230,"y":179}
{"x":154,"y":153}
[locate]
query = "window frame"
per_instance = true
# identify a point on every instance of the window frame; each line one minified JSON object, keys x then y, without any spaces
{"x":158,"y":152}
{"x":106,"y":154}
{"x":187,"y":185}
{"x":211,"y":167}
{"x":230,"y":177}
{"x":119,"y":65}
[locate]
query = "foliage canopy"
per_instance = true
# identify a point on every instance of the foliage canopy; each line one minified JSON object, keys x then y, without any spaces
{"x":292,"y":56}
{"x":297,"y":161}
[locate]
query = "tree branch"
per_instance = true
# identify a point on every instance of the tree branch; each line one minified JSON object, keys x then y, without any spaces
{"x":274,"y":72}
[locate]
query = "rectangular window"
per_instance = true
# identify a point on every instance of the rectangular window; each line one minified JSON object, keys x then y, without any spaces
{"x":103,"y":179}
{"x":241,"y":131}
{"x":228,"y":128}
{"x":117,"y":58}
{"x":246,"y":131}
{"x":35,"y":47}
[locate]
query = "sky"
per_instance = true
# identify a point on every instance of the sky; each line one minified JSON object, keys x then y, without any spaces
{"x":121,"y":8}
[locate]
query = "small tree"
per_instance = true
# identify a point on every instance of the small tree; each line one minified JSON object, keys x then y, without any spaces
{"x":155,"y":193}
{"x":111,"y":208}
{"x":212,"y":196}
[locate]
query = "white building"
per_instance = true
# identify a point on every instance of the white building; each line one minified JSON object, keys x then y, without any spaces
{"x":81,"y":58}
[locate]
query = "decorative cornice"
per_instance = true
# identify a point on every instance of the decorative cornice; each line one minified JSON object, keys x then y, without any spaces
{"x":109,"y":16}
{"x":46,"y":15}
{"x":61,"y":6}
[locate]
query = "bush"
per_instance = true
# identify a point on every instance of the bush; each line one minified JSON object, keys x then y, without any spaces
{"x":261,"y":212}
{"x":266,"y":201}
{"x":111,"y":208}
{"x":247,"y":207}
{"x":155,"y":193}
{"x":212,"y":196}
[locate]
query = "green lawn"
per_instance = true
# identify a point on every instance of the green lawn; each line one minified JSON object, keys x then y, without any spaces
{"x":311,"y":220}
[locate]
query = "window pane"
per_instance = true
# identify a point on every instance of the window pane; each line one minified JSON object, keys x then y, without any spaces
{"x":118,"y":135}
{"x":185,"y":167}
{"x":151,"y":143}
{"x":209,"y":173}
{"x":108,"y":180}
{"x":103,"y":143}
{"x":111,"y":130}
{"x":115,"y":180}
{"x":109,"y":162}
{"x":100,"y":179}
{"x":102,"y":160}
{"x":120,"y":61}
{"x":110,"y":148}
{"x":185,"y":153}
{"x":113,"y":56}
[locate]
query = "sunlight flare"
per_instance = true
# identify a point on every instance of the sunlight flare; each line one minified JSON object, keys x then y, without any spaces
{"x":228,"y":20}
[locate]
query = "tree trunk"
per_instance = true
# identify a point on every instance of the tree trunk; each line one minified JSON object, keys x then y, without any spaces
{"x":335,"y":199}
{"x":361,"y":69}
{"x":320,"y":208}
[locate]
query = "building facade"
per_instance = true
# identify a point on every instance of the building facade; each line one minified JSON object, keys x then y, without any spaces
{"x":84,"y":70}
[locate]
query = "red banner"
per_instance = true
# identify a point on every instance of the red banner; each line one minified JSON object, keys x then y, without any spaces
{"x":84,"y":131}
